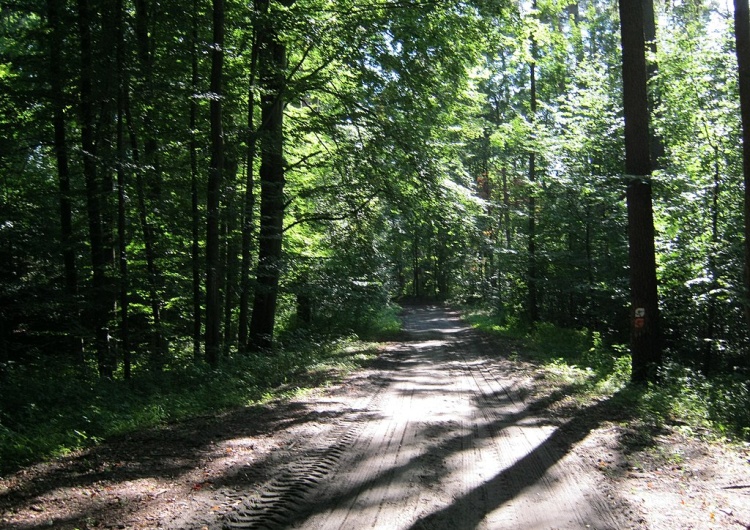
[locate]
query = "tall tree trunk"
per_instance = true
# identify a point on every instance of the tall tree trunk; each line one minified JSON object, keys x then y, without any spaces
{"x":656,"y":143}
{"x":232,"y":249}
{"x":122,"y":195}
{"x":194,"y":209}
{"x":742,"y":36}
{"x":63,"y":168}
{"x":506,"y":207}
{"x":590,"y":319}
{"x":148,"y":240}
{"x":249,"y":203}
{"x":709,"y":361}
{"x":531,"y":274}
{"x":61,"y":147}
{"x":100,"y":308}
{"x":416,"y":280}
{"x":122,"y":253}
{"x":105,"y":96}
{"x":273,"y":66}
{"x":213,"y":304}
{"x":149,"y":178}
{"x":224,"y":206}
{"x":645,"y":340}
{"x":145,"y":52}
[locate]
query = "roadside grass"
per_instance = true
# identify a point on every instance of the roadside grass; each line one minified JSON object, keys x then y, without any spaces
{"x":684,"y":399}
{"x":48,"y":409}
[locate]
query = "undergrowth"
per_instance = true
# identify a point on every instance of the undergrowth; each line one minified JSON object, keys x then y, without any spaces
{"x":715,"y":407}
{"x":48,"y":409}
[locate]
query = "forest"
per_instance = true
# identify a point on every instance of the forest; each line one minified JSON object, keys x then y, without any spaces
{"x":207,"y":195}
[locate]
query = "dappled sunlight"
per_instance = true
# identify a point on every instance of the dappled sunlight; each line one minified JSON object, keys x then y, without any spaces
{"x":458,"y":433}
{"x":427,"y":344}
{"x":460,"y":455}
{"x":440,"y":434}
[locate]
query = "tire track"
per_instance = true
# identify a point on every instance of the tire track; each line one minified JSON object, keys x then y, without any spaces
{"x":277,"y":501}
{"x":445,"y":442}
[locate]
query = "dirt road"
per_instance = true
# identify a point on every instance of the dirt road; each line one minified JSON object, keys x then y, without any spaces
{"x":446,"y":430}
{"x":439,"y":436}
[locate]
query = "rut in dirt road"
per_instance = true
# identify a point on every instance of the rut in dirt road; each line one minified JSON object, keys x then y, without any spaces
{"x":445,"y":441}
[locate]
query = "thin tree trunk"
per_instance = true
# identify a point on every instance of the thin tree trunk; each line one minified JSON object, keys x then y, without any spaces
{"x":149,"y":180}
{"x":709,"y":361}
{"x":148,"y":241}
{"x":122,"y":196}
{"x":224,"y":214}
{"x":533,"y":299}
{"x":230,"y":250}
{"x":61,"y":147}
{"x":506,"y":207}
{"x":742,"y":36}
{"x":144,"y":40}
{"x":415,"y":265}
{"x":105,"y":96}
{"x":123,"y":257}
{"x":590,"y":310}
{"x":645,"y":340}
{"x":194,"y":210}
{"x":63,"y":168}
{"x":213,"y":305}
{"x":100,"y":308}
{"x":232,"y":262}
{"x":249,"y":204}
{"x":273,"y":65}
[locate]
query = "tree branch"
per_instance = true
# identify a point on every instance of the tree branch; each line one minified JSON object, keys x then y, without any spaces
{"x":334,"y":216}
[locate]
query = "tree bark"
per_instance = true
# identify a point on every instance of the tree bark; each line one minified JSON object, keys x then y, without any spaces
{"x":709,"y":339}
{"x":272,"y":65}
{"x":122,"y":196}
{"x":416,"y":279}
{"x":100,"y":308}
{"x":61,"y":146}
{"x":148,"y":240}
{"x":506,"y":207}
{"x":213,"y":303}
{"x":656,"y":143}
{"x":57,"y":97}
{"x":232,"y":249}
{"x":531,"y":273}
{"x":149,"y":178}
{"x":742,"y":37}
{"x":249,"y":203}
{"x":194,"y":210}
{"x":645,"y":340}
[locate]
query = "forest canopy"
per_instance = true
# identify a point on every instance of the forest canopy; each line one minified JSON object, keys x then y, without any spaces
{"x":188,"y":182}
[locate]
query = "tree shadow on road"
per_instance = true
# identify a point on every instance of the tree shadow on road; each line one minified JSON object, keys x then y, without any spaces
{"x":468,"y":511}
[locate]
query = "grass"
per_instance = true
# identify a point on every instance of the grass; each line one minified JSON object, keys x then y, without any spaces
{"x":716,"y":407}
{"x":48,"y":410}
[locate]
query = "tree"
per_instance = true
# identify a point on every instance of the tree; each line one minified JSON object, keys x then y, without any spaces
{"x":148,"y":182}
{"x":122,"y":236}
{"x":195,"y":221}
{"x":532,"y":272}
{"x":742,"y":36}
{"x":213,"y":280}
{"x":272,"y":63}
{"x":644,"y":334}
{"x":249,"y":199}
{"x":101,"y":303}
{"x":58,"y":102}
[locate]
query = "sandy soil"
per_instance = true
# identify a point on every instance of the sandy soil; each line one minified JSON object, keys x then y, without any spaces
{"x":443,"y":431}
